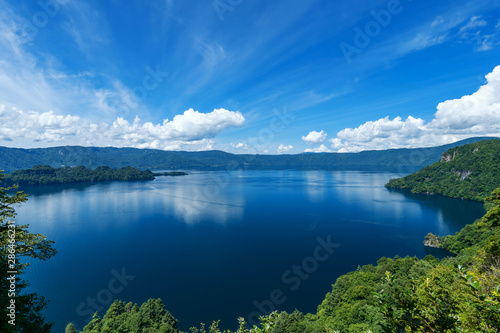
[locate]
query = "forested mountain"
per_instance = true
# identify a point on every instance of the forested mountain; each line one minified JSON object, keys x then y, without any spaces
{"x":470,"y":171}
{"x":398,"y":160}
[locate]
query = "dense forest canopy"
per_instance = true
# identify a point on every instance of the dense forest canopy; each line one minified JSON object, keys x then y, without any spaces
{"x":469,"y":172}
{"x":44,"y":174}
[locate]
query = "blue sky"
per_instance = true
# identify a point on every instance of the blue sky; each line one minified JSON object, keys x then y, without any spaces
{"x":248,"y":76}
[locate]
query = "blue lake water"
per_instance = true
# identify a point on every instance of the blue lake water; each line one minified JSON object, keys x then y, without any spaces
{"x":223,"y":245}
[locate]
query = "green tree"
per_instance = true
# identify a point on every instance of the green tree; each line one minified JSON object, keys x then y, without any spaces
{"x":17,"y":240}
{"x":94,"y":326}
{"x":70,"y":328}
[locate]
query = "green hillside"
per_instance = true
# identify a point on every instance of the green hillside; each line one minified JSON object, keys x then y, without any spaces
{"x":470,"y":171}
{"x":44,"y":174}
{"x":396,"y":160}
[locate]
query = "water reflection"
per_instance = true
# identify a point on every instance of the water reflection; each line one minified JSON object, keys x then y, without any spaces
{"x":448,"y":212}
{"x":191,"y":201}
{"x":198,"y":201}
{"x":315,"y":185}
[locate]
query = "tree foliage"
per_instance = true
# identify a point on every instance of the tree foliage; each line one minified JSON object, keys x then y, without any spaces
{"x":469,"y":172}
{"x":44,"y":174}
{"x":17,"y":240}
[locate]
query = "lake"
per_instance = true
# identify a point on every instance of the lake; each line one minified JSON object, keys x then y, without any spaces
{"x":223,"y":245}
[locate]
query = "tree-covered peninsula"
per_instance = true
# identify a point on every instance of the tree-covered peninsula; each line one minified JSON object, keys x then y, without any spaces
{"x":44,"y":174}
{"x":470,"y":171}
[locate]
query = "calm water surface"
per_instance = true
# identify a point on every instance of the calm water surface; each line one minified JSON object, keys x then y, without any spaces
{"x":215,"y":245}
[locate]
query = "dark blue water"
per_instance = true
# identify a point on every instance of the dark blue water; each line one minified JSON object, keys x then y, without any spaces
{"x":218,"y":245}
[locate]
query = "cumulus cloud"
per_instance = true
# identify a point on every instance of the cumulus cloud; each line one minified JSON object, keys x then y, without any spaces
{"x":320,"y":149}
{"x":315,"y":137}
{"x":240,"y":145}
{"x":283,"y":148}
{"x":191,"y":130}
{"x":472,"y":115}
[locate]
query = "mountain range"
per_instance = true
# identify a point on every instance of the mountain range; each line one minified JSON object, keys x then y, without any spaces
{"x":395,"y":160}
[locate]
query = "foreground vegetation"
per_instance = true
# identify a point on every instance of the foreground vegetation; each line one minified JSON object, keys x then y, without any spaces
{"x":17,"y":243}
{"x":469,"y":172}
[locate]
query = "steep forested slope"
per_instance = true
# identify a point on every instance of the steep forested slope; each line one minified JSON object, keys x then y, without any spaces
{"x":470,"y":171}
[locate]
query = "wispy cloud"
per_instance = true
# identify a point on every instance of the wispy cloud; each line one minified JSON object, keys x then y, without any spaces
{"x":472,"y":33}
{"x":86,"y":26}
{"x":423,"y":41}
{"x":37,"y":81}
{"x":437,"y":21}
{"x":451,"y":25}
{"x":474,"y":23}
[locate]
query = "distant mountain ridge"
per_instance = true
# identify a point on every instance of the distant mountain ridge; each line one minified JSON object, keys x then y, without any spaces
{"x":396,"y":160}
{"x":470,"y":171}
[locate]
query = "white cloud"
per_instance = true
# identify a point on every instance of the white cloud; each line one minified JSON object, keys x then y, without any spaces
{"x":471,"y":32}
{"x":473,"y":115}
{"x":283,"y":148}
{"x":240,"y":145}
{"x":423,"y":41}
{"x":437,"y":21}
{"x":191,"y":130}
{"x":45,"y":126}
{"x":31,"y":80}
{"x":488,"y":42}
{"x":474,"y":23}
{"x":476,"y":113}
{"x":315,"y":137}
{"x":320,"y":149}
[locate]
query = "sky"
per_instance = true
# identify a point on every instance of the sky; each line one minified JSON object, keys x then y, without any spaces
{"x":265,"y":77}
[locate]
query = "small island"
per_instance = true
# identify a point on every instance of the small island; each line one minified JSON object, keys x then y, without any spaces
{"x":171,"y":173}
{"x":45,"y":175}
